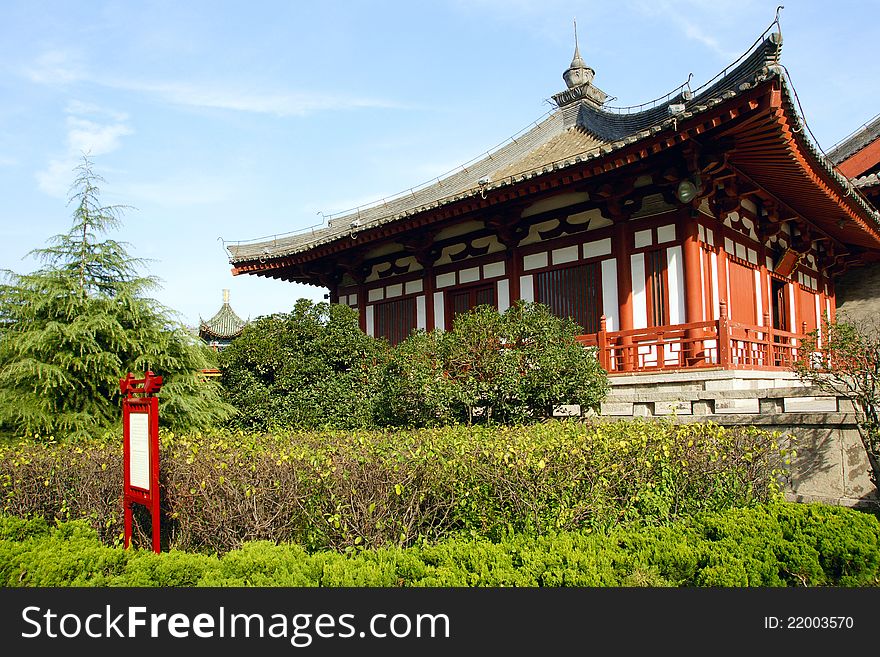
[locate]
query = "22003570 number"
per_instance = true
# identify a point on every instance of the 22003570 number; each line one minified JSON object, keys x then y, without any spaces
{"x":808,"y":622}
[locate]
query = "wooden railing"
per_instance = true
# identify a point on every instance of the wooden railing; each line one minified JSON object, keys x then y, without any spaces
{"x":711,"y":344}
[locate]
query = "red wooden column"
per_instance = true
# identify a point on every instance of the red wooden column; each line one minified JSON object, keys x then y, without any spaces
{"x":510,"y":233}
{"x":362,"y":306}
{"x":428,"y":291}
{"x":621,"y":247}
{"x":514,"y":268}
{"x":693,"y":289}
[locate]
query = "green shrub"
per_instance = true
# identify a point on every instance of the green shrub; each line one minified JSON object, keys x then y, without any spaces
{"x":508,"y":368}
{"x":351,"y":490}
{"x":310,"y":368}
{"x":768,"y":545}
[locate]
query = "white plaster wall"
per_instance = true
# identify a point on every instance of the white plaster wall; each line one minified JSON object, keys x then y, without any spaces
{"x":640,"y":295}
{"x":370,"y":328}
{"x":727,"y":285}
{"x":675,"y":277}
{"x":493,"y":269}
{"x":526,"y":288}
{"x":439,"y":314}
{"x":535,"y":260}
{"x":565,"y":254}
{"x":759,"y":298}
{"x":597,"y":248}
{"x":503,"y":295}
{"x":421,"y":317}
{"x":469,"y":275}
{"x":715,"y":300}
{"x":703,"y":284}
{"x":610,"y":307}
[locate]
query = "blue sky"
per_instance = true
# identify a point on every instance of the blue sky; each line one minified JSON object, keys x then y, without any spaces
{"x":237,"y":120}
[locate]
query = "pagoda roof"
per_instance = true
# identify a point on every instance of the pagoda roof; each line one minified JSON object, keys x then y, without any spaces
{"x":224,"y":325}
{"x":580,"y":133}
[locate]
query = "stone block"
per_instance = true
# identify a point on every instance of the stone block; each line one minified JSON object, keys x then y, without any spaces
{"x":672,"y":407}
{"x":616,"y":408}
{"x":567,"y":410}
{"x":810,"y":404}
{"x":735,"y":405}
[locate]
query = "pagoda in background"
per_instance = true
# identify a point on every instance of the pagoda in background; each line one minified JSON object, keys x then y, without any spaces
{"x":219,"y":331}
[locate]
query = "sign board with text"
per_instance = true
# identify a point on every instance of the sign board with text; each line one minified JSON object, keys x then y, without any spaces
{"x":140,"y":439}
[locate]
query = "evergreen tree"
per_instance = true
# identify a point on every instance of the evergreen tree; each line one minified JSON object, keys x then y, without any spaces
{"x":70,"y":330}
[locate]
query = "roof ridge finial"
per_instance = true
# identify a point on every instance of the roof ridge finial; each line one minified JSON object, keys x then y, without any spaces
{"x":578,"y":73}
{"x":577,"y":62}
{"x":579,"y":79}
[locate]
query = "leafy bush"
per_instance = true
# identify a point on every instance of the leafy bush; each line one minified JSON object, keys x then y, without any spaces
{"x":506,"y":368}
{"x":350,"y":490}
{"x":768,"y":545}
{"x":310,"y":368}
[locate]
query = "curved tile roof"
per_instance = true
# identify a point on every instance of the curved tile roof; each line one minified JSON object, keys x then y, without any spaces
{"x":862,"y":137}
{"x":572,"y":134}
{"x":225,"y":324}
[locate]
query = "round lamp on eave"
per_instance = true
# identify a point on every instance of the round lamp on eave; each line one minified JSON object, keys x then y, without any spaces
{"x":686,"y":191}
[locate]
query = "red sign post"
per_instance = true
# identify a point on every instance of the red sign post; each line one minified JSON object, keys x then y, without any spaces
{"x":140,"y":432}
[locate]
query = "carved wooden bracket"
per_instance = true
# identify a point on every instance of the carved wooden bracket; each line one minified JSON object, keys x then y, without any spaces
{"x":422,"y":247}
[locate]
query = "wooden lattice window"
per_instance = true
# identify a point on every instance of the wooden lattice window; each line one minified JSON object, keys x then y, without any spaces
{"x":461,"y":301}
{"x":574,"y":292}
{"x":657,"y":287}
{"x":395,"y":320}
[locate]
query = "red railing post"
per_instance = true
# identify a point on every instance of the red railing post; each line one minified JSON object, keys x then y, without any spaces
{"x":602,"y":344}
{"x":723,"y":336}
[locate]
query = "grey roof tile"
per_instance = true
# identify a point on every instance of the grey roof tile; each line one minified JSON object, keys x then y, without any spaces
{"x":862,"y":137}
{"x":224,"y":324}
{"x":571,"y":134}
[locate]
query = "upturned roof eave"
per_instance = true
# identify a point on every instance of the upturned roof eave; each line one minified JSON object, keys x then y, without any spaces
{"x":330,"y":242}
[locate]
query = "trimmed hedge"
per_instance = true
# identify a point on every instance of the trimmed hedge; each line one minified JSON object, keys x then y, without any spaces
{"x":769,"y":545}
{"x":349,"y":490}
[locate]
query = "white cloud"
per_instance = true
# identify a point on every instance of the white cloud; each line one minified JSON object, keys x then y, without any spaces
{"x":78,"y":107}
{"x":226,"y":97}
{"x":698,"y":21}
{"x":84,"y":135}
{"x":183,"y":189}
{"x":57,"y":67}
{"x":54,"y":180}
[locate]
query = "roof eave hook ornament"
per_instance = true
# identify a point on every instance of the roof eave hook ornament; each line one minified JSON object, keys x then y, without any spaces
{"x":778,"y":35}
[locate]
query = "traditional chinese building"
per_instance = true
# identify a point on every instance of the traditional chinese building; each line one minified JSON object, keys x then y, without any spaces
{"x":696,"y":239}
{"x":702,"y":230}
{"x":223,"y":327}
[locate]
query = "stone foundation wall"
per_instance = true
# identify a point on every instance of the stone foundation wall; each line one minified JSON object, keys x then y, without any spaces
{"x":858,"y":294}
{"x":830,"y":464}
